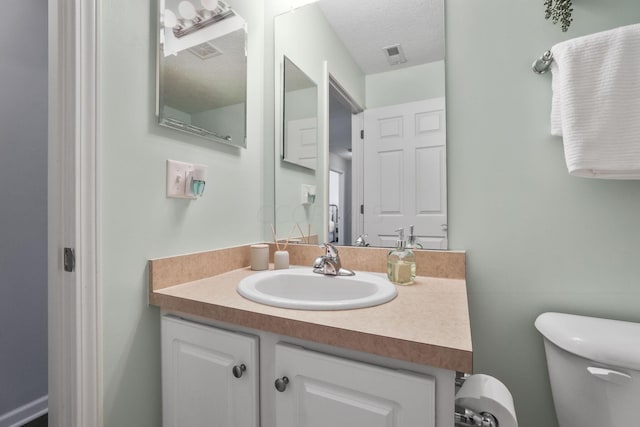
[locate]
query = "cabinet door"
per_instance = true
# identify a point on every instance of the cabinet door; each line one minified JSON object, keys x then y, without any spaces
{"x":330,"y":391}
{"x":199,"y":387}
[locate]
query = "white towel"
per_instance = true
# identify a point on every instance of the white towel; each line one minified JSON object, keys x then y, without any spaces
{"x":596,"y":103}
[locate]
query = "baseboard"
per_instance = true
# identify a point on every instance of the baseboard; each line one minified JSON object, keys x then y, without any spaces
{"x":25,"y":413}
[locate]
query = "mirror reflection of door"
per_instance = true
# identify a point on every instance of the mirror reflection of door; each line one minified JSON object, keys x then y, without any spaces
{"x":404,"y":173}
{"x":396,"y":173}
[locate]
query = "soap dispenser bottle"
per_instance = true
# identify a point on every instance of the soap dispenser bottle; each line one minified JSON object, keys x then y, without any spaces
{"x":401,"y":262}
{"x":411,"y":240}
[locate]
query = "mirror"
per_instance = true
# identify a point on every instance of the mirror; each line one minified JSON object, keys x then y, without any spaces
{"x":381,"y":121}
{"x":202,"y":70}
{"x":300,"y":117}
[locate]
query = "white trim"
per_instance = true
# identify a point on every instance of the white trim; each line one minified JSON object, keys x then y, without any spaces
{"x":357,"y":176}
{"x":75,"y":333}
{"x":25,"y":413}
{"x":323,"y":154}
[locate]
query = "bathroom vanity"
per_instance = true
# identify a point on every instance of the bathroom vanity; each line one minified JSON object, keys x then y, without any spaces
{"x":231,"y":361}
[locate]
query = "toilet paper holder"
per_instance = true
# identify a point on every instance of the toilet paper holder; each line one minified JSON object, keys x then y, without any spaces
{"x":470,"y":418}
{"x":465,"y":417}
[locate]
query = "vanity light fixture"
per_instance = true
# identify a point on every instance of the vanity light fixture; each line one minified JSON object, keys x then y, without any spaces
{"x":210,"y":5}
{"x":295,"y":4}
{"x":192,"y":19}
{"x":187,"y":10}
{"x":170,"y":19}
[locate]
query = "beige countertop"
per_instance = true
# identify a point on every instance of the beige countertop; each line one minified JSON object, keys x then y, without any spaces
{"x":427,"y":323}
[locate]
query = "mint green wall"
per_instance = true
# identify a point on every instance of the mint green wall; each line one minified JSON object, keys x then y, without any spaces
{"x":301,"y":104}
{"x":409,"y":84}
{"x":226,"y":121}
{"x":307,"y":39}
{"x":537,"y":239}
{"x":138,"y":221}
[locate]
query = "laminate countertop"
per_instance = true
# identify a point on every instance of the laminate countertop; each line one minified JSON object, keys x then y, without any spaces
{"x":427,"y":323}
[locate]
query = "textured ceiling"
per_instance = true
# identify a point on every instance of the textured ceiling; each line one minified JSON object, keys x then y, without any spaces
{"x":366,"y":27}
{"x":193,"y":85}
{"x":295,"y":78}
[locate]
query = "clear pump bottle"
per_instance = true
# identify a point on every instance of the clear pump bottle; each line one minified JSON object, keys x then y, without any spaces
{"x":401,"y":262}
{"x":411,"y":240}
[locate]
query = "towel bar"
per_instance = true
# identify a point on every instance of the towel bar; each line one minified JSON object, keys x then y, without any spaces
{"x":542,"y":64}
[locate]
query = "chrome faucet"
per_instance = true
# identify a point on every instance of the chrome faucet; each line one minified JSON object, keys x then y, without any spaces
{"x":329,"y":264}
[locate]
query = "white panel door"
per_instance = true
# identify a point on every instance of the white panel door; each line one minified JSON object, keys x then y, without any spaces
{"x":405,"y":176}
{"x":326,"y":391}
{"x":301,"y":146}
{"x":199,"y":386}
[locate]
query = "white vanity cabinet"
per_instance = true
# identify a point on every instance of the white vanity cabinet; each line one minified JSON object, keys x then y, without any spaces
{"x":209,"y":376}
{"x":316,"y":389}
{"x":290,"y":385}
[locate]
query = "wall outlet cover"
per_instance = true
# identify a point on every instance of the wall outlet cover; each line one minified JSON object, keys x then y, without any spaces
{"x":177,"y":173}
{"x":307,"y":194}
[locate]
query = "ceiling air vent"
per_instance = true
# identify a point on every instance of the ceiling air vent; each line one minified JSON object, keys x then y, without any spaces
{"x":394,"y":54}
{"x":205,"y":51}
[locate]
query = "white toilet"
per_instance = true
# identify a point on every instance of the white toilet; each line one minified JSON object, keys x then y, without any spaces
{"x":594,"y":368}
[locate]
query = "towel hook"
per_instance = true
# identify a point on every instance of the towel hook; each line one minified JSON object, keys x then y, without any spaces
{"x":542,"y":64}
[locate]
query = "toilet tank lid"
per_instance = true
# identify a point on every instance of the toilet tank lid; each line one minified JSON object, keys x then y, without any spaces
{"x":613,"y":342}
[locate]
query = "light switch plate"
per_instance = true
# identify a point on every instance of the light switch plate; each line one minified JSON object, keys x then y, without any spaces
{"x":177,"y":179}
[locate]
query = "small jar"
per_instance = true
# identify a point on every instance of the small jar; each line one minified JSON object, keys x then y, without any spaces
{"x":259,"y":257}
{"x":281,"y":260}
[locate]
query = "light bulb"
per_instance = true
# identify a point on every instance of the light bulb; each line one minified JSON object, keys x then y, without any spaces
{"x":209,"y":4}
{"x":170,"y":19}
{"x":187,"y":10}
{"x":295,"y":4}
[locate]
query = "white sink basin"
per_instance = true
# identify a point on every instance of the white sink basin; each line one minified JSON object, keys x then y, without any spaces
{"x":303,"y":289}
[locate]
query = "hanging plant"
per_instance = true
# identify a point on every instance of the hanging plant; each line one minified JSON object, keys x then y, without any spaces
{"x":559,"y":11}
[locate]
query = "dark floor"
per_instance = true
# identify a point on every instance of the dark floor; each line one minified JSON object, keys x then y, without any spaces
{"x":38,"y":422}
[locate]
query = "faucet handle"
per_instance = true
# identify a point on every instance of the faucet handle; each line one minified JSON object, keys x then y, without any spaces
{"x":331,"y":251}
{"x":361,"y":240}
{"x":319,"y":262}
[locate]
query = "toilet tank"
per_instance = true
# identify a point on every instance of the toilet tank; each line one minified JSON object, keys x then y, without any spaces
{"x":594,"y":369}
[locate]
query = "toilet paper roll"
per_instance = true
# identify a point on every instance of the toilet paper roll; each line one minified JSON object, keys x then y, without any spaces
{"x":483,"y":393}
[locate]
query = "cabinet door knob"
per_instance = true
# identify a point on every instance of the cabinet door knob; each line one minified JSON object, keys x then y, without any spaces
{"x":238,"y":370}
{"x":281,"y":384}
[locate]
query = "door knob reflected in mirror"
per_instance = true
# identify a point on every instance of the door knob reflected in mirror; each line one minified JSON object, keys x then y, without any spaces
{"x":281,"y":384}
{"x":238,"y":370}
